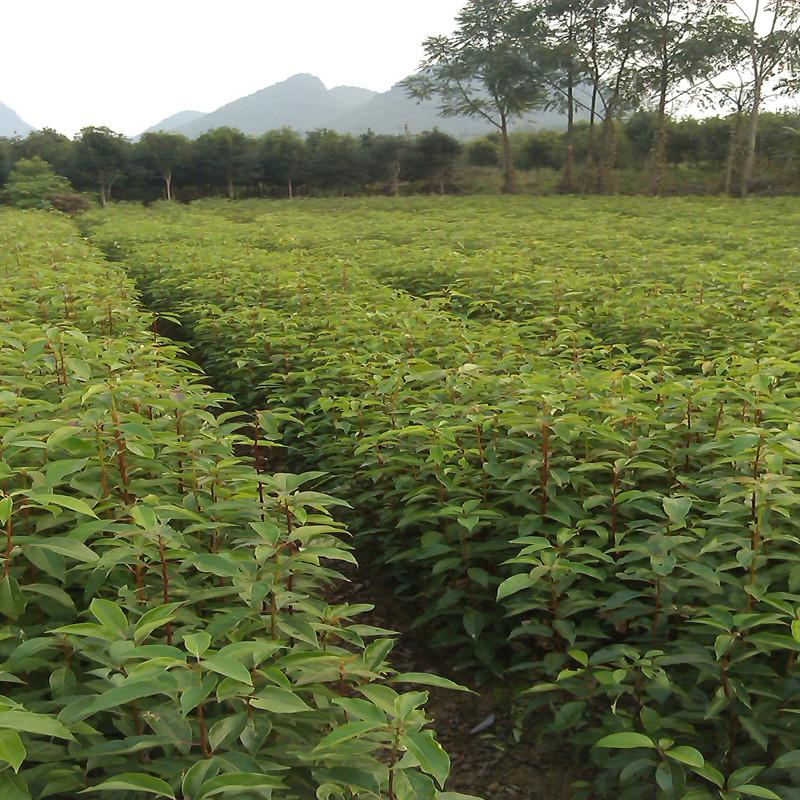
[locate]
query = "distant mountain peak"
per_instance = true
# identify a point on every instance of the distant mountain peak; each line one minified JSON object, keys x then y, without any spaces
{"x":11,"y":124}
{"x":172,"y":123}
{"x":304,"y":103}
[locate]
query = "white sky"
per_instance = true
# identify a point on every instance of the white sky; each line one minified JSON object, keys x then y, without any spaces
{"x":130,"y":64}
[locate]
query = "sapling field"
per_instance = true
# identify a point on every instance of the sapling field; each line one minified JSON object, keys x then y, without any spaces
{"x":563,"y":431}
{"x":166,"y":630}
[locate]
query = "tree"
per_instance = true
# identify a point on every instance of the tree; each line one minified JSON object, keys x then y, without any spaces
{"x":684,"y":42}
{"x":162,"y":153}
{"x":485,"y":70}
{"x":385,"y":158}
{"x":33,"y":184}
{"x":335,"y":161}
{"x":771,"y":43}
{"x":734,"y":93}
{"x":49,"y":145}
{"x":564,"y":67}
{"x":102,"y":156}
{"x":225,"y":157}
{"x":433,"y":157}
{"x":282,"y":156}
{"x":6,"y":159}
{"x":544,"y":150}
{"x":483,"y":153}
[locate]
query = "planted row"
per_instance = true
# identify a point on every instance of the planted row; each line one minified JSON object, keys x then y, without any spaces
{"x":614,"y":525}
{"x":165,"y":628}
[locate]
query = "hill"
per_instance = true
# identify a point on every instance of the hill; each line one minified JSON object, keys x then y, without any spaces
{"x":304,"y":103}
{"x":301,"y":102}
{"x":11,"y":124}
{"x":176,"y":121}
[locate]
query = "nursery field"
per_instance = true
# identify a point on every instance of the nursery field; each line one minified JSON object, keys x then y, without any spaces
{"x":562,"y":433}
{"x":165,"y":624}
{"x":567,"y":430}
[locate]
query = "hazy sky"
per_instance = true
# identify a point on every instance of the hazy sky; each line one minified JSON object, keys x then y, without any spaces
{"x":129,"y":64}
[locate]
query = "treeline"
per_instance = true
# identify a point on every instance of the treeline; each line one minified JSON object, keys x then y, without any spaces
{"x":284,"y":164}
{"x":606,"y":59}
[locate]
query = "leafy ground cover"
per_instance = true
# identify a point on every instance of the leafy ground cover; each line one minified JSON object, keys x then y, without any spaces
{"x":165,"y":624}
{"x":567,"y":429}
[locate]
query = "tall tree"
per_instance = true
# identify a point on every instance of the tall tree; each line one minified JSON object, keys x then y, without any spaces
{"x":433,"y":158}
{"x":564,"y":67}
{"x":282,"y":156}
{"x":225,"y":157}
{"x":685,"y":42}
{"x":102,"y":156}
{"x":485,"y":70}
{"x":335,"y":161}
{"x":49,"y":145}
{"x":162,"y":153}
{"x":385,"y":157}
{"x":732,"y":92}
{"x":771,"y":42}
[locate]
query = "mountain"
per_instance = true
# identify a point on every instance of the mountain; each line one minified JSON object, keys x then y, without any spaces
{"x":304,"y":103}
{"x":175,"y":121}
{"x":11,"y":124}
{"x":301,"y":102}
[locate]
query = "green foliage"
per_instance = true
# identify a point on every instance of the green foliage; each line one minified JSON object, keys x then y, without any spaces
{"x":577,"y":453}
{"x":164,"y":627}
{"x":33,"y":184}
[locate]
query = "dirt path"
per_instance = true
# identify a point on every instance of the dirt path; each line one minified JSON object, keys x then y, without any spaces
{"x":490,"y":764}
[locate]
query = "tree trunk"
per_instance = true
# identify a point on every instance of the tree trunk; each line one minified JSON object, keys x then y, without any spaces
{"x":608,"y":156}
{"x":590,"y":174}
{"x":291,"y":189}
{"x":441,"y":183}
{"x":659,"y":155}
{"x":168,"y":185}
{"x":395,"y":187}
{"x":103,"y":198}
{"x":509,"y":176}
{"x":733,"y":152}
{"x":752,"y":138}
{"x":568,"y":178}
{"x":231,"y":193}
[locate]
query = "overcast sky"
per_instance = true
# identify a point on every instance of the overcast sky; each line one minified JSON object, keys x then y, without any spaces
{"x":130,"y":64}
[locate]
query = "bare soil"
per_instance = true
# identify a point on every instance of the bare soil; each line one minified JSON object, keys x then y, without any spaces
{"x":490,"y":764}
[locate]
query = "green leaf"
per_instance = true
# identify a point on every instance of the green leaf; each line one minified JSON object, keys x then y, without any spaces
{"x":626,"y":741}
{"x":71,"y":548}
{"x":134,"y":782}
{"x":113,"y":698}
{"x":514,"y":584}
{"x":197,"y":643}
{"x":751,"y":790}
{"x":677,"y":508}
{"x":228,"y":667}
{"x":279,"y":701}
{"x":13,"y":787}
{"x":687,"y":755}
{"x":350,"y":730}
{"x":12,"y":601}
{"x":6,"y":505}
{"x":216,"y":565}
{"x":71,"y":503}
{"x":28,"y":722}
{"x":222,"y":784}
{"x":426,"y":679}
{"x":788,"y":760}
{"x":153,"y":619}
{"x":430,"y":754}
{"x":109,"y":615}
{"x":12,"y":751}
